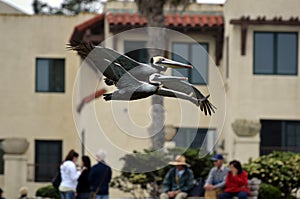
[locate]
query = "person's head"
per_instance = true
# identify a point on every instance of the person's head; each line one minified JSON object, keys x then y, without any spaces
{"x":23,"y":191}
{"x":179,"y":162}
{"x":218,"y":160}
{"x":101,"y":155}
{"x":72,"y":156}
{"x":235,"y":166}
{"x":1,"y":192}
{"x":86,"y":162}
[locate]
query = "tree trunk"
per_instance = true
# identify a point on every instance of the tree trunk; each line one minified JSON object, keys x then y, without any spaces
{"x":153,"y":11}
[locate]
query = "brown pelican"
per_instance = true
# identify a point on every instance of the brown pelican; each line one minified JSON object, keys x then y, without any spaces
{"x":136,"y":80}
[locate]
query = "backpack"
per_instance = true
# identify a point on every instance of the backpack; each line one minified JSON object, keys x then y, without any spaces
{"x":56,"y":180}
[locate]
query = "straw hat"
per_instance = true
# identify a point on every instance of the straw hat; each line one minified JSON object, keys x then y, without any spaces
{"x":179,"y":160}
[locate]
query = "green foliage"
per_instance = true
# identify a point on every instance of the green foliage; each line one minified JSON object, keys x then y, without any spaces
{"x":267,"y":191}
{"x":48,"y":192}
{"x":280,"y":169}
{"x":133,"y":175}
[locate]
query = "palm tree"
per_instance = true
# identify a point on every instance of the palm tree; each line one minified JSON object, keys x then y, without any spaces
{"x":153,"y":10}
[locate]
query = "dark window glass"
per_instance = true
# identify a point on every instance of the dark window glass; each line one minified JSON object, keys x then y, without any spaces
{"x":48,"y":156}
{"x":279,"y":135}
{"x":263,"y":53}
{"x":287,"y":53}
{"x":275,"y":53}
{"x":50,"y":75}
{"x":193,"y":54}
{"x":136,"y":50}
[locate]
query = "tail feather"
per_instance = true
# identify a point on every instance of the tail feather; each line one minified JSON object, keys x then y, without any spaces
{"x":82,"y":48}
{"x":206,"y":106}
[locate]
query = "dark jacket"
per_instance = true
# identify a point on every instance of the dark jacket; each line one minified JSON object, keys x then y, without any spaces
{"x":83,"y":185}
{"x":186,"y":181}
{"x":96,"y":175}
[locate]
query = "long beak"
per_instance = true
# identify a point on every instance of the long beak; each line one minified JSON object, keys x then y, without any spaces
{"x":169,"y":78}
{"x":174,"y":64}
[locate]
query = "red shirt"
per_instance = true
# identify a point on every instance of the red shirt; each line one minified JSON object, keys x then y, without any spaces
{"x":237,"y":183}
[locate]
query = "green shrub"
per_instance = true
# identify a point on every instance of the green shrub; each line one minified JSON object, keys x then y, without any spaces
{"x":48,"y":191}
{"x":267,"y":191}
{"x":280,"y":169}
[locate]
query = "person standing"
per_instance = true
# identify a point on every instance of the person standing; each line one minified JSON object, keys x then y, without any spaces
{"x":83,"y":186}
{"x":178,"y":181}
{"x":236,"y":182}
{"x":69,"y":176}
{"x":100,"y":176}
{"x":215,"y":181}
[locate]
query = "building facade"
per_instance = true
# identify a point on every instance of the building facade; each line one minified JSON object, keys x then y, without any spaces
{"x":246,"y":54}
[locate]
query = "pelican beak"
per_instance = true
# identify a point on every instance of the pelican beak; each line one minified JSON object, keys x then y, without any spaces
{"x":173,"y":64}
{"x":169,"y":78}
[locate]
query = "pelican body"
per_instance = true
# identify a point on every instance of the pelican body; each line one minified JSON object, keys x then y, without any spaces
{"x":136,"y":80}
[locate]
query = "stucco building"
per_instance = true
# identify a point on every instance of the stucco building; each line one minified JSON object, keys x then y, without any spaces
{"x":250,"y":69}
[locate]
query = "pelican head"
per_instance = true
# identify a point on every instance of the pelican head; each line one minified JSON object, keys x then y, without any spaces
{"x":162,"y":62}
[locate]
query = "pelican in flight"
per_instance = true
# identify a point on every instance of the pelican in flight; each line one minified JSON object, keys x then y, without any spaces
{"x":135,"y":80}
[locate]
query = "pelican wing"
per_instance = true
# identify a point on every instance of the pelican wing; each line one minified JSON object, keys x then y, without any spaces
{"x":184,"y":87}
{"x":192,"y":91}
{"x":106,"y":60}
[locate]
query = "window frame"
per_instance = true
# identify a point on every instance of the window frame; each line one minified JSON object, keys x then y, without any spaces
{"x":275,"y":42}
{"x":38,"y":178}
{"x":63,"y":75}
{"x":278,"y":130}
{"x":189,"y":71}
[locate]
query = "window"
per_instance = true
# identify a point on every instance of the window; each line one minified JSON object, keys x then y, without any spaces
{"x":50,"y":75}
{"x":193,"y":53}
{"x":195,"y":138}
{"x":137,"y":50}
{"x":1,"y":159}
{"x":282,"y":135}
{"x":48,"y":156}
{"x":275,"y":53}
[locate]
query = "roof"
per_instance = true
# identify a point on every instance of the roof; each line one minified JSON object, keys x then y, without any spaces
{"x":93,"y":30}
{"x":244,"y":22}
{"x":171,"y":20}
{"x":96,"y":23}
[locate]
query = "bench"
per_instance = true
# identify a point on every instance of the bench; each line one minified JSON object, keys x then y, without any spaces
{"x":253,"y":185}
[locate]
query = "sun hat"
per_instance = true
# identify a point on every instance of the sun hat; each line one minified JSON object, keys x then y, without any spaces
{"x":179,"y":160}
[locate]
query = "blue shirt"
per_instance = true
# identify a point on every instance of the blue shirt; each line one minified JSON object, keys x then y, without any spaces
{"x":217,"y":177}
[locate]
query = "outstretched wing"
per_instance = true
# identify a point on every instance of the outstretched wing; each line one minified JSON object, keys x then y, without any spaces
{"x":192,"y":91}
{"x":106,"y":60}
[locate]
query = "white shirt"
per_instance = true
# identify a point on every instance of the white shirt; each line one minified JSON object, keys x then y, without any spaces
{"x":69,"y":176}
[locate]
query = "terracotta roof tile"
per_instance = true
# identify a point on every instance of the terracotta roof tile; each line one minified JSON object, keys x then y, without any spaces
{"x":173,"y":20}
